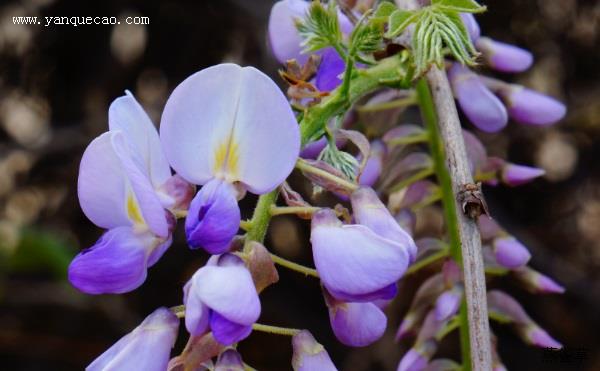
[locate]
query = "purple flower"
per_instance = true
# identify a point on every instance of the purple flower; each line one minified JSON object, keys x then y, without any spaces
{"x":471,"y":25}
{"x":374,"y":165}
{"x":355,"y":324}
{"x":147,"y":347}
{"x":330,"y":69}
{"x":515,"y":175}
{"x":123,"y":186}
{"x":537,"y":336}
{"x":216,"y":131}
{"x":229,"y":360}
{"x":537,"y":282}
{"x":416,"y":358}
{"x":369,"y":211}
{"x":309,"y":355}
{"x":530,"y":107}
{"x":355,"y":264}
{"x":447,"y":303}
{"x":221,"y":297}
{"x":284,"y":38}
{"x":478,"y":103}
{"x":504,"y":57}
{"x":510,"y":253}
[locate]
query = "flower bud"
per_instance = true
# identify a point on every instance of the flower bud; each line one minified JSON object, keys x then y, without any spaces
{"x":537,"y":282}
{"x":374,"y":165}
{"x":510,"y":253}
{"x":515,"y":175}
{"x":416,"y":358}
{"x":504,"y":57}
{"x":447,"y":303}
{"x":530,"y":107}
{"x":180,"y":193}
{"x":476,"y":152}
{"x":538,"y":337}
{"x":478,"y":103}
{"x":229,"y":360}
{"x":147,"y":347}
{"x":309,"y":355}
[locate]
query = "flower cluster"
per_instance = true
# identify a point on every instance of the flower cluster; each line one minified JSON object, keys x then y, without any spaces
{"x":230,"y":130}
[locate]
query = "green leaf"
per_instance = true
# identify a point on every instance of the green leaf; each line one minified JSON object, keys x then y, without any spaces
{"x":461,"y":6}
{"x":320,"y":28}
{"x":399,"y":20}
{"x":385,"y":9}
{"x":366,"y":37}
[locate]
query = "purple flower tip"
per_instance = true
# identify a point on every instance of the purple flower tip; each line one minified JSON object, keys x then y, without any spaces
{"x":147,"y":347}
{"x":510,"y":253}
{"x":548,"y":285}
{"x":309,"y":355}
{"x":541,"y":338}
{"x":478,"y":103}
{"x":357,"y":324}
{"x":504,"y":57}
{"x":331,"y":67}
{"x":229,"y":360}
{"x":213,"y":218}
{"x":471,"y":25}
{"x":530,"y":107}
{"x":413,"y":360}
{"x":447,"y":304}
{"x":405,"y":328}
{"x":514,"y":175}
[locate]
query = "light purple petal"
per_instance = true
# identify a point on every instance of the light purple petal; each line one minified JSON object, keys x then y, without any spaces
{"x":368,"y":210}
{"x":386,"y":293}
{"x":227,"y":332}
{"x":283,"y":35}
{"x":229,"y":360}
{"x":176,"y":193}
{"x":357,"y":324}
{"x":530,"y":107}
{"x":478,"y":103}
{"x":504,"y":57}
{"x":309,"y":355}
{"x":220,"y":122}
{"x":447,"y":304}
{"x":147,"y":347}
{"x":510,"y":253}
{"x":160,"y":246}
{"x":127,"y":115}
{"x":229,"y":291}
{"x":116,"y":264}
{"x":374,"y":165}
{"x":213,"y":218}
{"x":476,"y":152}
{"x":471,"y":25}
{"x":540,"y":338}
{"x":352,"y":259}
{"x":412,"y":361}
{"x":330,"y":69}
{"x":515,"y":175}
{"x":197,"y":313}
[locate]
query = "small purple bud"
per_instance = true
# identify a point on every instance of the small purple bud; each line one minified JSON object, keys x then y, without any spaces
{"x":406,"y":327}
{"x":417,"y":192}
{"x":330,"y":69}
{"x":147,"y":347}
{"x":535,"y":335}
{"x":515,"y":175}
{"x":447,"y":304}
{"x":180,"y":193}
{"x":476,"y":152}
{"x":309,"y":355}
{"x":229,"y":360}
{"x":507,"y":307}
{"x":471,"y":25}
{"x":537,"y":282}
{"x":488,"y":228}
{"x":416,"y":358}
{"x":504,"y":57}
{"x":374,"y":165}
{"x":213,"y":218}
{"x":530,"y":107}
{"x":478,"y":102}
{"x":510,"y":253}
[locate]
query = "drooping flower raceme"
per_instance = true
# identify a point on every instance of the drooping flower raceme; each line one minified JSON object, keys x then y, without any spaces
{"x":125,"y":185}
{"x":148,"y":347}
{"x":217,"y":130}
{"x":222,"y":298}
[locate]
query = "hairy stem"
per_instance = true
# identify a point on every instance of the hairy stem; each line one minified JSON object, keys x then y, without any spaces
{"x":275,"y":329}
{"x":261,"y":217}
{"x":469,"y":240}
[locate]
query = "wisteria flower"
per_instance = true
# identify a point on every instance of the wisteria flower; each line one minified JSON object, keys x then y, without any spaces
{"x":355,"y":263}
{"x":216,"y":130}
{"x":148,"y":347}
{"x":310,"y":355}
{"x":125,"y":185}
{"x":221,"y":297}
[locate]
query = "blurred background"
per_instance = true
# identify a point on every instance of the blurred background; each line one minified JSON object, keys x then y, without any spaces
{"x":55,"y":87}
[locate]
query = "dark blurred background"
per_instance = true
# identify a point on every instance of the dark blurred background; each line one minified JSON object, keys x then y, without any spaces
{"x":55,"y":87}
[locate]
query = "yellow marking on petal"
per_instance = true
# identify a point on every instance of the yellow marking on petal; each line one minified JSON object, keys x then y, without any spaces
{"x":133,"y":210}
{"x":227,"y":159}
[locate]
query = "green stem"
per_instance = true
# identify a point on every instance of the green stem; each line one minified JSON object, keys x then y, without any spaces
{"x":275,"y":329}
{"x":426,"y":261}
{"x":306,"y":167}
{"x":261,"y":217}
{"x":445,"y":182}
{"x":422,"y":174}
{"x":294,"y":266}
{"x":283,"y":210}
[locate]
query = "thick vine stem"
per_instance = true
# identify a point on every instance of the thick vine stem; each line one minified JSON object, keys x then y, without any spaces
{"x":470,"y":241}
